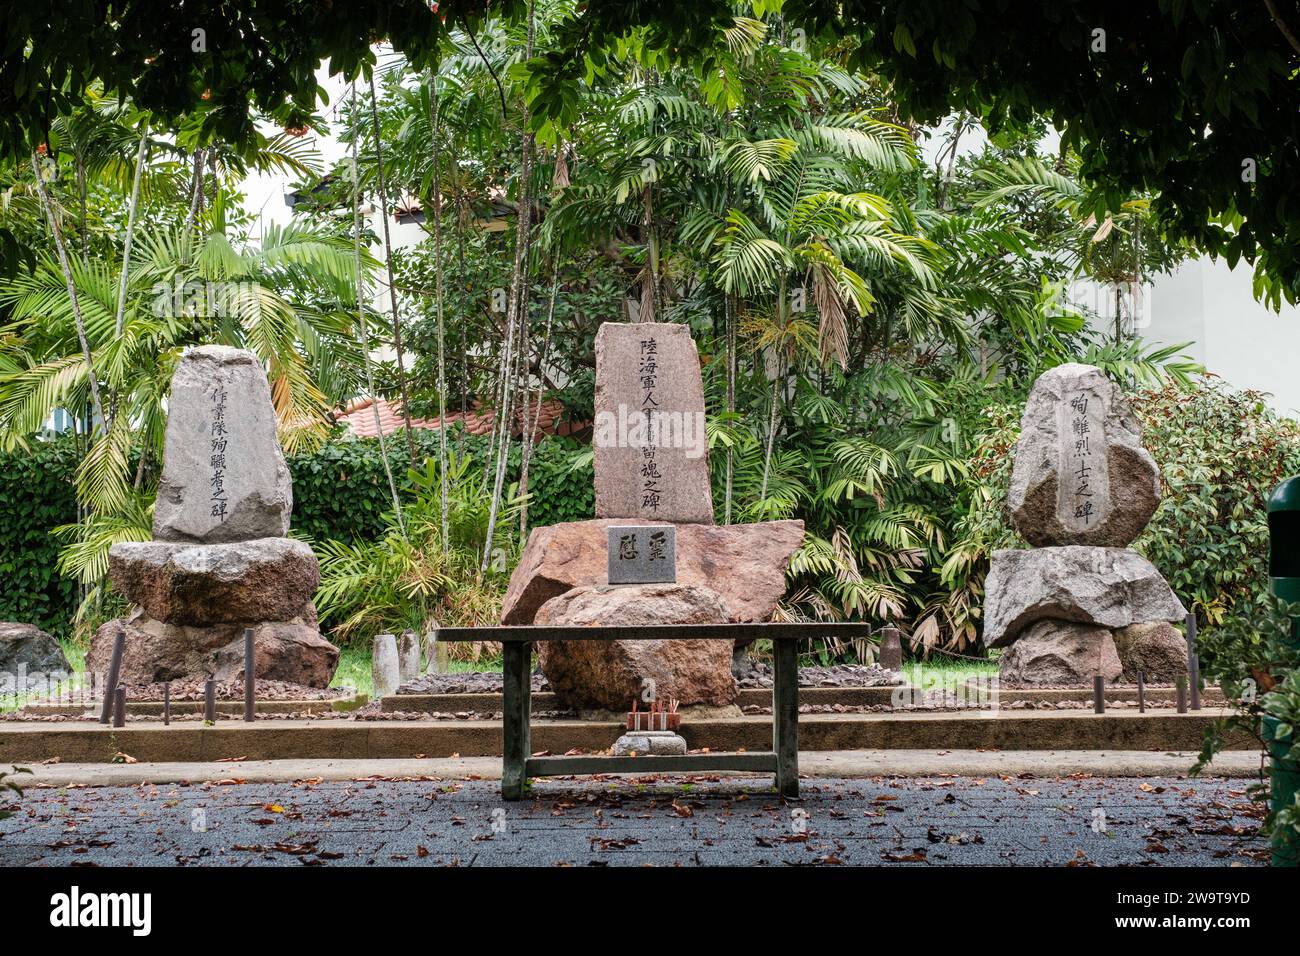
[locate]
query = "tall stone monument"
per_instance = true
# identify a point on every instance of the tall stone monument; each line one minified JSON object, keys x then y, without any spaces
{"x":1081,"y":604}
{"x":651,"y":455}
{"x":219,"y":561}
{"x":651,"y":463}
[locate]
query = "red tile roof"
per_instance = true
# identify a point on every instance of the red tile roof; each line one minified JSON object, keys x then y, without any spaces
{"x":359,"y":418}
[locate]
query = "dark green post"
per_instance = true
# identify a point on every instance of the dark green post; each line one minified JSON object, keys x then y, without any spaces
{"x":1284,"y":582}
{"x":785,"y":716}
{"x":515,"y":703}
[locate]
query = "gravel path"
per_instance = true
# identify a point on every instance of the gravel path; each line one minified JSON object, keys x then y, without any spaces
{"x":648,"y":820}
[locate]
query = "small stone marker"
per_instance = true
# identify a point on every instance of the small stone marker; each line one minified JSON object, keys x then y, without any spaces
{"x":642,"y":554}
{"x":651,"y":453}
{"x":408,"y":656}
{"x":437,"y":654}
{"x":224,"y":476}
{"x":891,"y":649}
{"x":385,"y":670}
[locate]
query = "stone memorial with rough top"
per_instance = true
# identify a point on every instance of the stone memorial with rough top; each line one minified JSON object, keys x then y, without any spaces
{"x":224,"y":476}
{"x":1079,"y":604}
{"x":652,"y":476}
{"x":220,"y":561}
{"x":1081,"y":475}
{"x":651,"y":454}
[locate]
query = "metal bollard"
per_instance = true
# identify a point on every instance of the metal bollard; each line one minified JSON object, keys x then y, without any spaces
{"x":1193,"y":662}
{"x":167,"y":703}
{"x":250,"y":675}
{"x":114,"y":668}
{"x":1180,"y":692}
{"x":1142,"y":694}
{"x":210,"y":700}
{"x":1099,"y":694}
{"x":119,"y":708}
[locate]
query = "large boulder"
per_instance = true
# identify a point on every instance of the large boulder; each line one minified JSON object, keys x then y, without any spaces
{"x":1081,"y":475}
{"x":745,"y":563}
{"x":1112,"y":587}
{"x":1157,"y":649}
{"x":610,"y":675}
{"x":27,"y":648}
{"x":294,"y":653}
{"x":1060,"y":653}
{"x":264,"y":579}
{"x":224,"y":476}
{"x":651,"y":453}
{"x":291,"y":650}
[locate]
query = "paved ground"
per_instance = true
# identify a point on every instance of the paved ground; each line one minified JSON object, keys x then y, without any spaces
{"x":732,"y":820}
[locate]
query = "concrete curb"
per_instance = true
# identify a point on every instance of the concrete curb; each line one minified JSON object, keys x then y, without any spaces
{"x":273,"y":739}
{"x":814,"y":764}
{"x":154,"y":708}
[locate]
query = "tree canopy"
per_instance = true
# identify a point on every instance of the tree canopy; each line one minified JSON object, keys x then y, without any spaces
{"x":1190,"y":99}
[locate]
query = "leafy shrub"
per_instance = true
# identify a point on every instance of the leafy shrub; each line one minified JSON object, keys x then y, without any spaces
{"x":1221,"y":453}
{"x":406,"y":578}
{"x":341,"y":493}
{"x":561,"y":483}
{"x":37,"y":494}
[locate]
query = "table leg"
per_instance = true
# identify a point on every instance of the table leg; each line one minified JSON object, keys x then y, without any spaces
{"x":785,"y":716}
{"x":516,"y":690}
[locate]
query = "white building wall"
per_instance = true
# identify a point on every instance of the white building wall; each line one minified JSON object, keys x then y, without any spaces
{"x":1212,"y":308}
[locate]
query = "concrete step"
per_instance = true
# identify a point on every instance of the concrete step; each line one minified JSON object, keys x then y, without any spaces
{"x":278,"y":739}
{"x":154,"y":708}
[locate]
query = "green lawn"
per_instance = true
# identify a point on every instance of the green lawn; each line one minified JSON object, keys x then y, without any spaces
{"x":354,"y":668}
{"x":942,"y":671}
{"x":77,"y":664}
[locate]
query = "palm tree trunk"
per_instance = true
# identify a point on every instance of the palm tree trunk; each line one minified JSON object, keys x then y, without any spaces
{"x":515,"y":306}
{"x":776,"y":392}
{"x":81,"y":199}
{"x":771,"y":428}
{"x":437,"y":270}
{"x":729,"y":309}
{"x":130,"y":233}
{"x":464,"y":333}
{"x":196,"y":192}
{"x":388,"y":265}
{"x":78,"y":320}
{"x":530,"y":426}
{"x":361,"y":317}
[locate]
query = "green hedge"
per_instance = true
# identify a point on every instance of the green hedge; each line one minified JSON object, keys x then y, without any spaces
{"x":340,"y":491}
{"x":36,"y":495}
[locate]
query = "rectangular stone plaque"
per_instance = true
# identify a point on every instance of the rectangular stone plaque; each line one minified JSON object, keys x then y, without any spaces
{"x":642,"y":554}
{"x":1083,"y":476}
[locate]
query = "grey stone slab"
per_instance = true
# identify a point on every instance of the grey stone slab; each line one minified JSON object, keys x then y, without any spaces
{"x":224,"y":476}
{"x":649,"y":442}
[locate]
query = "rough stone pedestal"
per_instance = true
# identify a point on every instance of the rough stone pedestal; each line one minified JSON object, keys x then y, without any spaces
{"x":609,"y":675}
